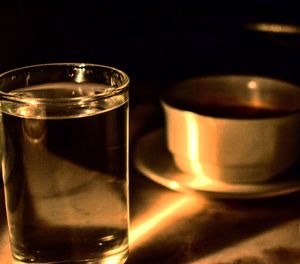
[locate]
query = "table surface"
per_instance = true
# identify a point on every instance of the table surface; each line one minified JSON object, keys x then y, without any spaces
{"x":173,"y":227}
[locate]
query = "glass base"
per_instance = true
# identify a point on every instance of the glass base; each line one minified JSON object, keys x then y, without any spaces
{"x":112,"y":259}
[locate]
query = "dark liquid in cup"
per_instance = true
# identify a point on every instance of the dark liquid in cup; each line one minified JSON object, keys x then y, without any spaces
{"x":233,"y":111}
{"x":223,"y":99}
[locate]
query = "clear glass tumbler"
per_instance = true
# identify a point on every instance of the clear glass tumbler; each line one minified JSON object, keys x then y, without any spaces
{"x":64,"y":133}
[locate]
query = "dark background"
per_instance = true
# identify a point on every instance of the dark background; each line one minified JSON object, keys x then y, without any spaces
{"x":155,"y":42}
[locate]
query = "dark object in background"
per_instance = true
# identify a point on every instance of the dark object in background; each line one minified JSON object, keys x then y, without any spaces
{"x":151,"y":41}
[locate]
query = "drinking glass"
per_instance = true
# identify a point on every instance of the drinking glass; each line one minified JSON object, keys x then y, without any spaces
{"x":64,"y":133}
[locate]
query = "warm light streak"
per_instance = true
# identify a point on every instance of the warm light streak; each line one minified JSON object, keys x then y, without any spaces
{"x":159,"y":218}
{"x":80,"y":75}
{"x":200,"y":178}
{"x":192,"y":136}
{"x":144,"y":228}
{"x":256,"y":99}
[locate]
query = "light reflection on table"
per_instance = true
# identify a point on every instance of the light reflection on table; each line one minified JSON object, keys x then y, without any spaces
{"x":163,"y":213}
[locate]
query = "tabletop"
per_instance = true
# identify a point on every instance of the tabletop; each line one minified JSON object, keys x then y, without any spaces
{"x":167,"y":226}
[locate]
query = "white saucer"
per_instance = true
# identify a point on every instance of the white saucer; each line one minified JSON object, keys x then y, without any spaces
{"x":152,"y":158}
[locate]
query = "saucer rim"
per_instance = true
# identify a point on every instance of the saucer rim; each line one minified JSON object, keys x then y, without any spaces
{"x":273,"y":188}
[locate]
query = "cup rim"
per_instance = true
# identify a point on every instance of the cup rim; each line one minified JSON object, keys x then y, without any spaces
{"x":23,"y":98}
{"x":244,"y":77}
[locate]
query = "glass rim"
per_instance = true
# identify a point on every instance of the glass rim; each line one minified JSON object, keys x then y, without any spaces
{"x":21,"y":97}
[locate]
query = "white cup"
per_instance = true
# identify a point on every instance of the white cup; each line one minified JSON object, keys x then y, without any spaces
{"x":238,"y":129}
